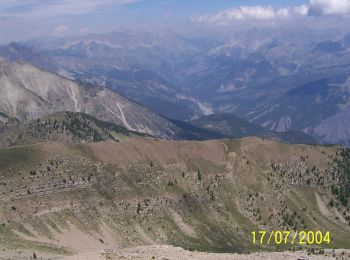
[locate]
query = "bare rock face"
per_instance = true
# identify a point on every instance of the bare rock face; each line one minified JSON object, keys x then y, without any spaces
{"x":28,"y":92}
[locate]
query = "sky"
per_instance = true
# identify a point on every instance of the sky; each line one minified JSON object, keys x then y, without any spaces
{"x":26,"y":19}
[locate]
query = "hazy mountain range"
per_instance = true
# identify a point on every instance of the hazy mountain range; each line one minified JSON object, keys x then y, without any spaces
{"x":29,"y":93}
{"x":284,"y":80}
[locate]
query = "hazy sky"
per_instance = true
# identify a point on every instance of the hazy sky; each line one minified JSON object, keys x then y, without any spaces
{"x":23,"y":19}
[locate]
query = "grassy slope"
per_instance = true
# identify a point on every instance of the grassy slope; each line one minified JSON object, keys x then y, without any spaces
{"x":199,"y":195}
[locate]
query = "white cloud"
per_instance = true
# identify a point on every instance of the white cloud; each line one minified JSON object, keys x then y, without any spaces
{"x":268,"y":13}
{"x":301,"y":9}
{"x":329,"y":7}
{"x":247,"y":12}
{"x":259,"y":12}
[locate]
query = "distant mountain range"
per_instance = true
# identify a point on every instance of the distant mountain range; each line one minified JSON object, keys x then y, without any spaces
{"x":30,"y":99}
{"x":29,"y":93}
{"x":281,"y":79}
{"x":231,"y":125}
{"x":321,"y":108}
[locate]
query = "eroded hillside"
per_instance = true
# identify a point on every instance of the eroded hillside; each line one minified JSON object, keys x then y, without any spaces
{"x":28,"y":93}
{"x":62,"y":199}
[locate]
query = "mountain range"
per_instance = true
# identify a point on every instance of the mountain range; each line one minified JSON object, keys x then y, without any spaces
{"x":255,"y":74}
{"x":280,"y":79}
{"x":230,"y":125}
{"x":29,"y":93}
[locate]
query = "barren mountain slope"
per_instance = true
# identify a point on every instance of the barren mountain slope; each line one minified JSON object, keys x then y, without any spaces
{"x":28,"y":92}
{"x":61,"y":199}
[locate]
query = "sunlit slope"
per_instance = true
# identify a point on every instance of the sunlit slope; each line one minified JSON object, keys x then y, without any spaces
{"x":210,"y":196}
{"x":28,"y":92}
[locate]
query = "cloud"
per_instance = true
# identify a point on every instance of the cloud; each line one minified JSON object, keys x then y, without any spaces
{"x":61,"y":30}
{"x":258,"y":12}
{"x":53,"y":8}
{"x":329,"y":7}
{"x":268,"y":13}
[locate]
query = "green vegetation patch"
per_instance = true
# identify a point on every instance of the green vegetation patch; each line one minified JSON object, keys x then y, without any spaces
{"x":17,"y":157}
{"x":343,"y":166}
{"x":4,"y":115}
